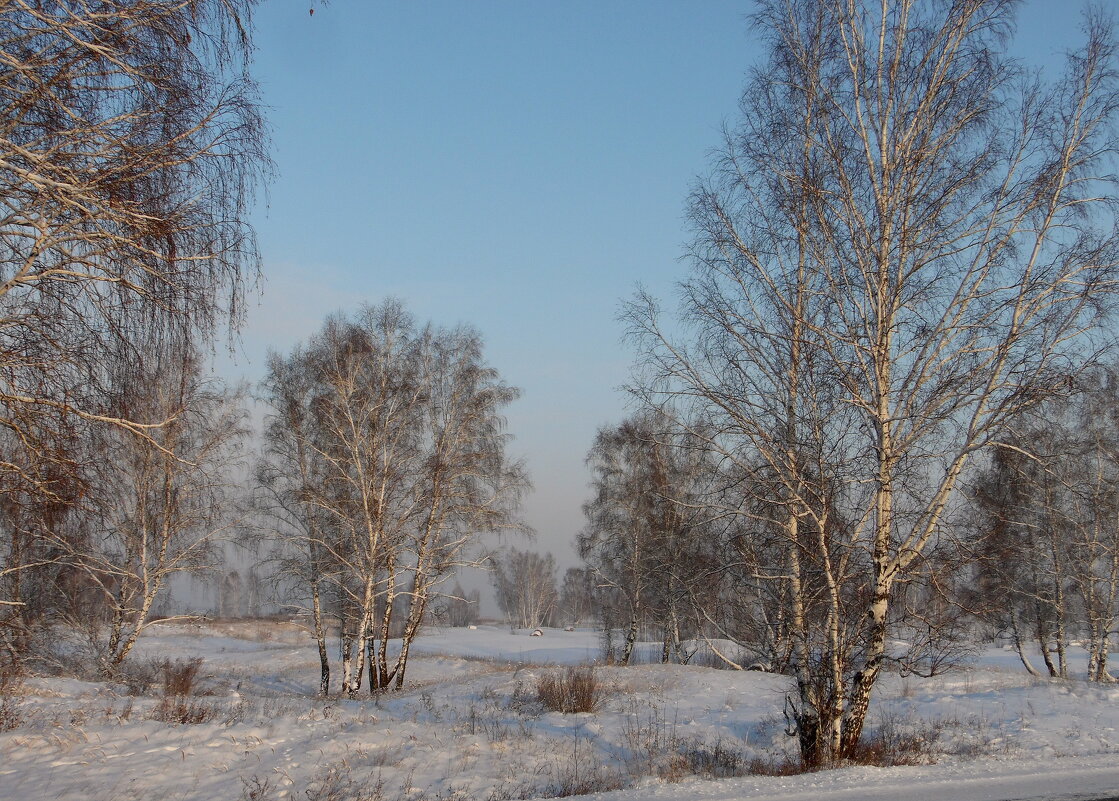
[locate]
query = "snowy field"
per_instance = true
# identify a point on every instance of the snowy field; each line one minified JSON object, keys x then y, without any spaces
{"x":469,"y":726}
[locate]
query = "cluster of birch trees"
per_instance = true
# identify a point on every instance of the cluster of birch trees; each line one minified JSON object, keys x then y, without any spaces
{"x":647,"y":535}
{"x":906,"y":246}
{"x":384,"y":459}
{"x":131,"y":144}
{"x":1047,"y":533}
{"x":524,"y":584}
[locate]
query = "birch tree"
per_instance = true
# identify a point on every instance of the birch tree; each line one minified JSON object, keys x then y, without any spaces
{"x":907,"y":240}
{"x":131,"y":145}
{"x":645,"y":524}
{"x":290,"y":479}
{"x":162,"y":502}
{"x":1049,"y":528}
{"x":525,"y":587}
{"x":467,"y":484}
{"x":368,"y":410}
{"x":384,"y":460}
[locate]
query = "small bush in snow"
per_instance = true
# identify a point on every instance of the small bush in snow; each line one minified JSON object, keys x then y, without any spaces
{"x":897,"y":742}
{"x":716,"y":760}
{"x":257,"y":789}
{"x":178,"y":683}
{"x":573,"y":690}
{"x":177,"y":709}
{"x":179,"y":676}
{"x":10,"y":714}
{"x":338,"y":783}
{"x":140,"y":677}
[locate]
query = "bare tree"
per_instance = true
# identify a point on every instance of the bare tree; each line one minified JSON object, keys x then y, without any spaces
{"x":231,"y":595}
{"x":1048,"y":536}
{"x":907,"y":240}
{"x":461,"y":607}
{"x":385,"y":458}
{"x":467,"y":484}
{"x":291,"y":479}
{"x":161,"y":502}
{"x":645,"y":523}
{"x":579,"y":596}
{"x":368,"y":409}
{"x":525,"y":584}
{"x":131,"y":144}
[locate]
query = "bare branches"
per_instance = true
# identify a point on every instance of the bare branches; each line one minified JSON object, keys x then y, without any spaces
{"x":906,"y":242}
{"x":385,"y":459}
{"x":131,"y":148}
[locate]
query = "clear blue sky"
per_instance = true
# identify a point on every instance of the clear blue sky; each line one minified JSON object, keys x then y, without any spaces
{"x":517,"y":165}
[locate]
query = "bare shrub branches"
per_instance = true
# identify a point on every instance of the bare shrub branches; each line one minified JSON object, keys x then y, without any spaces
{"x":573,"y":690}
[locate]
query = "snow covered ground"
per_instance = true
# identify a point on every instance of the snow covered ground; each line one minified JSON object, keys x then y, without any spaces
{"x":469,"y":727}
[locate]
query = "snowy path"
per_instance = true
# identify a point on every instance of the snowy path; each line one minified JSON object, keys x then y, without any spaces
{"x":1063,"y":779}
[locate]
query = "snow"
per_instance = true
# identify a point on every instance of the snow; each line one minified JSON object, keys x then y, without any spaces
{"x":468,"y":726}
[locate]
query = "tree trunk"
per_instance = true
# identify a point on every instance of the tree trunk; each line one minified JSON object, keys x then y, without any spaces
{"x":862,"y":683}
{"x":320,"y":640}
{"x":631,"y":637}
{"x":1019,"y":644}
{"x":136,"y":626}
{"x":384,"y":677}
{"x":364,"y":632}
{"x":347,"y":647}
{"x":411,"y":628}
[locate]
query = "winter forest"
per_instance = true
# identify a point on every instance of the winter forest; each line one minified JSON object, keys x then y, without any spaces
{"x":862,"y":514}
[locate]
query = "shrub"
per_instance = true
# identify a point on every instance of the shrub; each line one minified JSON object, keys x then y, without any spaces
{"x":337,"y":783}
{"x":179,"y":676}
{"x":717,"y":760}
{"x":895,"y":744}
{"x":257,"y":789}
{"x":10,"y":683}
{"x":140,"y":677}
{"x":569,"y":782}
{"x":573,"y":690}
{"x":178,"y":683}
{"x":774,"y":766}
{"x":177,"y":709}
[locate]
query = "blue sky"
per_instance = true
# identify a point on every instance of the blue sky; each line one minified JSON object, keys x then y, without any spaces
{"x":517,"y":165}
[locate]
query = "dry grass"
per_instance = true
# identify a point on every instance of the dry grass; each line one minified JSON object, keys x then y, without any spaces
{"x":179,"y":676}
{"x":178,"y":684}
{"x":179,"y":710}
{"x":11,"y":684}
{"x":573,"y":690}
{"x":338,"y":783}
{"x":140,"y":677}
{"x":893,"y":743}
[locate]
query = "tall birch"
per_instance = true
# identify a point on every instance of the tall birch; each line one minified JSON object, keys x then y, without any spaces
{"x":907,"y":239}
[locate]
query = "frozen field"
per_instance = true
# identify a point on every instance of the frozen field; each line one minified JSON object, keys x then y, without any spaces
{"x":469,"y":726}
